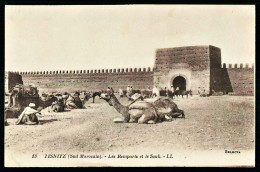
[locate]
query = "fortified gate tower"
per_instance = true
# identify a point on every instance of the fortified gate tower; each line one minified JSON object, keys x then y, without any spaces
{"x":195,"y":67}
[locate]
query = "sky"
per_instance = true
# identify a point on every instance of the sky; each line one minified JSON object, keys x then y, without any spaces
{"x":48,"y":38}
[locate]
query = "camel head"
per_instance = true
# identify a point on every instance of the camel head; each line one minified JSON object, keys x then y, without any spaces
{"x":108,"y":95}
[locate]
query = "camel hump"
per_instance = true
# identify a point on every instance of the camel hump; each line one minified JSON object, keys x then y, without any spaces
{"x":140,"y":105}
{"x":166,"y":110}
{"x":165,"y":105}
{"x":152,"y":100}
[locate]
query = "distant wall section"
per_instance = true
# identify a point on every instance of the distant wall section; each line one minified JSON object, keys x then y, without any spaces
{"x":11,"y":79}
{"x":241,"y":79}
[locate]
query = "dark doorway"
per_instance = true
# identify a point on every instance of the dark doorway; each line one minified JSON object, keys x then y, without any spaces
{"x":180,"y":82}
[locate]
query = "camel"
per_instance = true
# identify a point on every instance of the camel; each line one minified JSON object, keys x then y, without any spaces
{"x":146,"y":93}
{"x":93,"y":95}
{"x":19,"y":98}
{"x":75,"y":101}
{"x":144,"y":111}
{"x":58,"y":105}
{"x":46,"y":101}
{"x":97,"y":93}
{"x":85,"y":96}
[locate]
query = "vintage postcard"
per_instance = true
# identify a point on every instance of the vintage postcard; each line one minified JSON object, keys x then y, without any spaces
{"x":129,"y":85}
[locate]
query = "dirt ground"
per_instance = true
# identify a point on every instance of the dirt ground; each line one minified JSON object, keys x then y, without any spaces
{"x":211,"y":123}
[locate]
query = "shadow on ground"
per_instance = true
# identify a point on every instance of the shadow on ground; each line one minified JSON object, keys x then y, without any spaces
{"x":47,"y":121}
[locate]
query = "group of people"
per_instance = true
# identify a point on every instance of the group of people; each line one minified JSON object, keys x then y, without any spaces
{"x":146,"y":92}
{"x":156,"y":90}
{"x":31,"y":113}
{"x":159,"y":91}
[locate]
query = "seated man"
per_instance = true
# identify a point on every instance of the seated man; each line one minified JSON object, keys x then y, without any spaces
{"x":28,"y":116}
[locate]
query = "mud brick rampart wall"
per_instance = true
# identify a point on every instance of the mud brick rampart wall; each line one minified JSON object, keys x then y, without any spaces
{"x":90,"y":80}
{"x":241,"y":78}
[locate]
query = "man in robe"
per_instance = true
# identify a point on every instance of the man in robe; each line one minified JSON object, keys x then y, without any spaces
{"x":156,"y":91}
{"x":28,"y":116}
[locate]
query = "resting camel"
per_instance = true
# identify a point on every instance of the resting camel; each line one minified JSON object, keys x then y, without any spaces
{"x":58,"y":105}
{"x":46,"y":101}
{"x":146,"y":93}
{"x":73,"y":103}
{"x":19,"y":99}
{"x":144,"y":111}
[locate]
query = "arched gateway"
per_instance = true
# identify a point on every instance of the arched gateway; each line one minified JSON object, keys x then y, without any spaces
{"x":180,"y":82}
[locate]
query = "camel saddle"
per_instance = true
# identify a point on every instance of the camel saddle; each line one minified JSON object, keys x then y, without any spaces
{"x":139,"y":105}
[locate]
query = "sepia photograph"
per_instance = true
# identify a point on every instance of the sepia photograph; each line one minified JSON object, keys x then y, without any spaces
{"x":129,"y":86}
